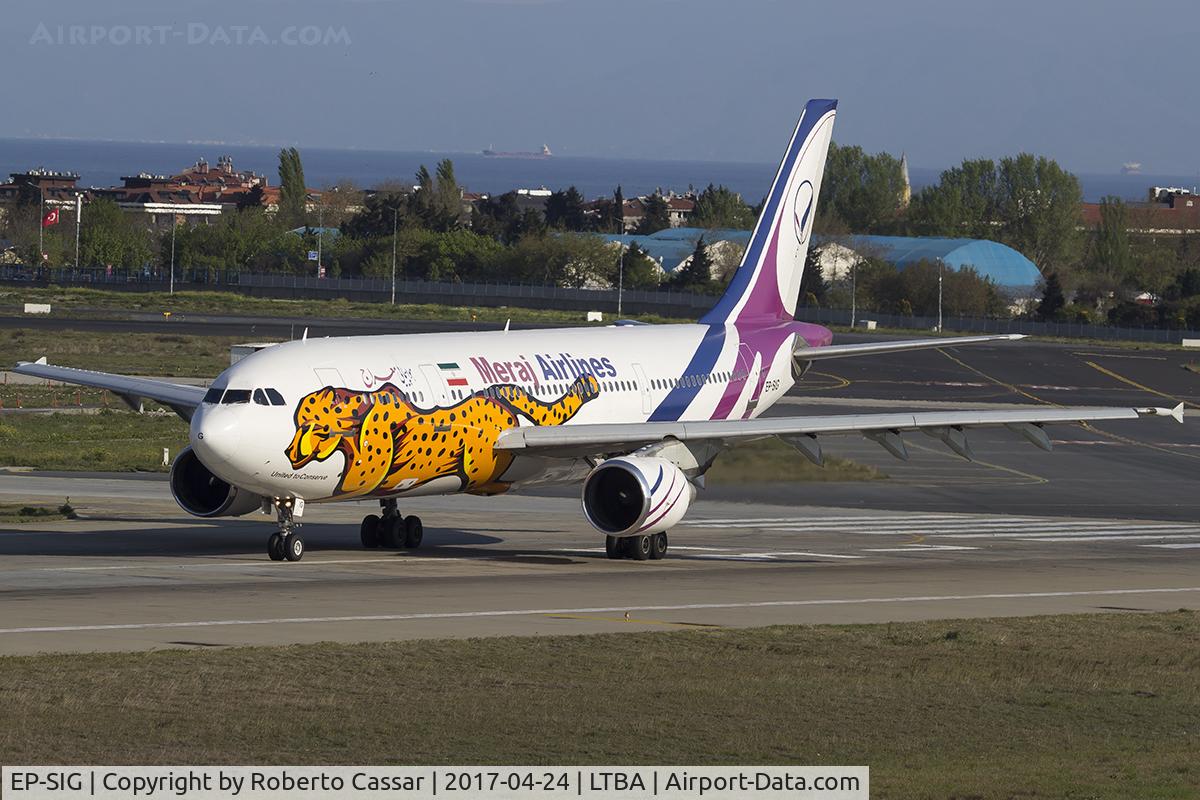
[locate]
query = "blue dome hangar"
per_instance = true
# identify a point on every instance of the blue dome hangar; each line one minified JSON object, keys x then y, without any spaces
{"x":1005,"y":266}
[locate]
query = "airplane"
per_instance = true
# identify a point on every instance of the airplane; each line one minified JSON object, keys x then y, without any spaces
{"x":637,"y":413}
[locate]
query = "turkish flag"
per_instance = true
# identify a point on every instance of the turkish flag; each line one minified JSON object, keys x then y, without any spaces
{"x":51,"y":218}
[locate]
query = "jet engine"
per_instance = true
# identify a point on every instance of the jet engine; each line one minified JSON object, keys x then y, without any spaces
{"x":636,"y":495}
{"x":203,"y":494}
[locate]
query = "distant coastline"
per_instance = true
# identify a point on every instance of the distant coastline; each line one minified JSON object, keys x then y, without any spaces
{"x":104,"y":163}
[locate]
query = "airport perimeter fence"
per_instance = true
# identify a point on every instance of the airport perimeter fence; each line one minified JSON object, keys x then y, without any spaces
{"x":663,"y":302}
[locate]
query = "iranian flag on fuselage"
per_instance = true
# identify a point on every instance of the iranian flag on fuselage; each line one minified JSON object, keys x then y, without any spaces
{"x":452,"y":373}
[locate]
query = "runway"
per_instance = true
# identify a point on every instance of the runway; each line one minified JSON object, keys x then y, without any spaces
{"x":1109,"y":521}
{"x":136,"y":574}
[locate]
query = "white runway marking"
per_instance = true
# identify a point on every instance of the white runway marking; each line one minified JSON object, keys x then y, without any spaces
{"x":525,"y":612}
{"x":1175,"y":545}
{"x":966,"y":526}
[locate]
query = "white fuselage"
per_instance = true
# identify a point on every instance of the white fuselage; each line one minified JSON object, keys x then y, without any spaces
{"x":304,"y":438}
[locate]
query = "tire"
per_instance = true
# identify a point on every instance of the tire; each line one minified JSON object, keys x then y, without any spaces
{"x":391,"y":532}
{"x":293,"y":548}
{"x":414,"y":532}
{"x":613,"y":547}
{"x":639,"y":548}
{"x":658,"y":546}
{"x":275,"y":547}
{"x":368,"y":532}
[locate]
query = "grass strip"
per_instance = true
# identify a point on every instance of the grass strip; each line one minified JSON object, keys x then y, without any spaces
{"x":1096,"y":706}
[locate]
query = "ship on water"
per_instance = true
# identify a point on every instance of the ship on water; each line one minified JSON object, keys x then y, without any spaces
{"x":543,"y":153}
{"x":1131,"y":168}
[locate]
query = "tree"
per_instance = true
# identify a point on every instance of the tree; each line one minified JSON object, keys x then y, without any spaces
{"x":504,"y":220}
{"x":1111,"y":254}
{"x":640,"y":270}
{"x":863,"y":191}
{"x":657,"y":215}
{"x":1052,"y":300}
{"x":696,"y":274}
{"x":618,"y":211}
{"x":813,"y":287}
{"x":571,"y":259}
{"x":719,"y":207}
{"x":293,"y":192}
{"x":381,"y":211}
{"x":447,"y":197}
{"x":108,"y":236}
{"x":564,"y":210}
{"x":964,"y":202}
{"x":1039,"y":211}
{"x":1027,"y":202}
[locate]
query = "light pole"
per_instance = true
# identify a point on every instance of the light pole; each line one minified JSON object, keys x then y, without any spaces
{"x":78,"y":219}
{"x":41,"y":223}
{"x":941,"y":269}
{"x":320,"y":231}
{"x":853,"y":293}
{"x":395,"y":216}
{"x":620,"y":281}
{"x":174,"y":225}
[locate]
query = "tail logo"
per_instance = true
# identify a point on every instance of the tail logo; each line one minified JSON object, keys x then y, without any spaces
{"x":802,"y":210}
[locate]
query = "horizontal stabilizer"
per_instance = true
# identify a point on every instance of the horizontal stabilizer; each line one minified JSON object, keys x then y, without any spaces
{"x":875,"y":348}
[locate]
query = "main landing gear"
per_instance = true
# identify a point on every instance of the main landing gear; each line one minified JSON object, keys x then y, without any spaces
{"x":650,"y":547}
{"x":286,"y":543}
{"x":390,"y":529}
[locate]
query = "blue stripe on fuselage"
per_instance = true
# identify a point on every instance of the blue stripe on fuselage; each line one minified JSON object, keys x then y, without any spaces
{"x":678,"y":399}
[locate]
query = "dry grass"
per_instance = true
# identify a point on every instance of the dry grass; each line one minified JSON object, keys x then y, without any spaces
{"x":773,"y":460}
{"x":130,"y":353}
{"x":67,"y":299}
{"x":110,"y":441}
{"x":1100,"y":706}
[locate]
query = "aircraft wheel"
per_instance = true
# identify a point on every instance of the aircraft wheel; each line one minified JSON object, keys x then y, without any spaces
{"x":414,"y":532}
{"x":658,"y":546}
{"x":639,"y":547}
{"x":391,"y":532}
{"x":613,"y":547}
{"x":368,"y":532}
{"x":275,"y":547}
{"x":293,"y":547}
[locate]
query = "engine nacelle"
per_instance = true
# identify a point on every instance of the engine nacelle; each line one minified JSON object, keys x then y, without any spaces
{"x":203,"y":494}
{"x":634,"y":496}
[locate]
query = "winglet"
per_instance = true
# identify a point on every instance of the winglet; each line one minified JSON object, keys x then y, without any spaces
{"x":1176,"y":412}
{"x":41,"y":360}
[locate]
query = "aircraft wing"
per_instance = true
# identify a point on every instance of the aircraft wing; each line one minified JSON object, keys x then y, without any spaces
{"x":576,"y":441}
{"x":179,"y":398}
{"x":873,"y":348}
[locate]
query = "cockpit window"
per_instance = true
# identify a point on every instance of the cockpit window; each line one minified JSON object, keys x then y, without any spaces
{"x":260,"y":398}
{"x":275,"y":397}
{"x":233,"y":396}
{"x":213,"y":395}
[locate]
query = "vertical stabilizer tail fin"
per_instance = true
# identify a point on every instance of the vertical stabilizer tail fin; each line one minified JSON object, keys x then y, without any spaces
{"x":766,"y":286}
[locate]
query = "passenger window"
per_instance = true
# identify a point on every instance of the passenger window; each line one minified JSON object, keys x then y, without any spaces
{"x":213,"y":395}
{"x":235,"y":397}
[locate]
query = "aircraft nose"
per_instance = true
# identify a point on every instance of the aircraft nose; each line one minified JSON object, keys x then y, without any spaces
{"x":215,"y":438}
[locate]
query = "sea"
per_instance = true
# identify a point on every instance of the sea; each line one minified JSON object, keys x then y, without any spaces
{"x":104,"y":163}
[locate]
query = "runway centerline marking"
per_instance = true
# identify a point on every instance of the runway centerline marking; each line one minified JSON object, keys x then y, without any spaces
{"x":525,"y":612}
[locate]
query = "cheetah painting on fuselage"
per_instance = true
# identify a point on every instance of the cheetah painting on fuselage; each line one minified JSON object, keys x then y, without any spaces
{"x":390,"y":445}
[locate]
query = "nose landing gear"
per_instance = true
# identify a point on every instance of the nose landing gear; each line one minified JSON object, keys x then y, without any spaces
{"x":390,"y":529}
{"x":286,"y":543}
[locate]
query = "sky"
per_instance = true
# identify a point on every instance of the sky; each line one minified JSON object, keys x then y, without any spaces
{"x":1092,"y":84}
